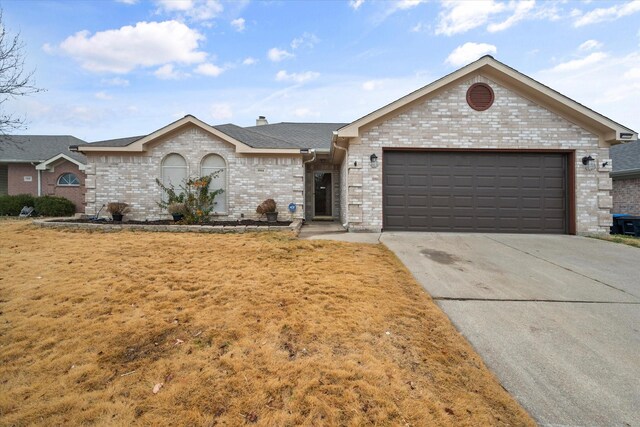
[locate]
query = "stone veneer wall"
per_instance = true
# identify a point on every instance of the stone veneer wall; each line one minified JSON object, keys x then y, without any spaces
{"x":130,"y":178}
{"x":626,"y":195}
{"x":447,"y":121}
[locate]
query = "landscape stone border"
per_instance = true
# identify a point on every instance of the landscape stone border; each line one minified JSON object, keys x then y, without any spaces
{"x":57,"y":223}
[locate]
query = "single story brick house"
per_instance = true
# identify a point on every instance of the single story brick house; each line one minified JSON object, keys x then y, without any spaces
{"x":42,"y":165}
{"x":483,"y":149}
{"x":626,"y":178}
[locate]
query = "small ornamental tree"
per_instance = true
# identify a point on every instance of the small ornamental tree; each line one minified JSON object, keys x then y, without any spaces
{"x":194,"y":195}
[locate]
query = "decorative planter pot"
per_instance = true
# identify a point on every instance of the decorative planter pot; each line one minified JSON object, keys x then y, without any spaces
{"x":272,"y":216}
{"x":117,"y":217}
{"x":177,"y":217}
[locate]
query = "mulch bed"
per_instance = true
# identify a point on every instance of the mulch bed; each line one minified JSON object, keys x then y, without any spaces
{"x":171,"y":222}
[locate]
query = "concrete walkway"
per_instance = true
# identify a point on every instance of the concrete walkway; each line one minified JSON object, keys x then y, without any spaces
{"x":557,"y":318}
{"x":331,"y":230}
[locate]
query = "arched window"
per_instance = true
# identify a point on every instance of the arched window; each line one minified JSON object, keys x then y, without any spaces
{"x":174,"y":170}
{"x":211,"y":164}
{"x":68,"y":180}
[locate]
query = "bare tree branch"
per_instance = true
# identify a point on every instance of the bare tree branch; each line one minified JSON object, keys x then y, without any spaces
{"x":14,"y":80}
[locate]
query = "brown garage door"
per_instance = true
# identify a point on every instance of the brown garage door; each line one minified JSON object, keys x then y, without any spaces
{"x":475,"y":191}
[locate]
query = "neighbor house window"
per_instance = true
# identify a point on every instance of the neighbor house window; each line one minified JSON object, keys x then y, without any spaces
{"x":68,"y":180}
{"x":211,"y":164}
{"x":174,"y":170}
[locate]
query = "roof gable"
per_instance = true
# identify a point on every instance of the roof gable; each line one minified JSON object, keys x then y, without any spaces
{"x":140,"y":144}
{"x":37,"y":148}
{"x":607,"y":129}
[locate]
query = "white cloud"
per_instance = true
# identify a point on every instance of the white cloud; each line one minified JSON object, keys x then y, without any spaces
{"x":306,"y":40}
{"x":146,"y":44}
{"x":605,"y":14}
{"x":408,"y":4}
{"x":419,"y":27}
{"x":116,"y":81}
{"x":209,"y":69}
{"x":127,"y":1}
{"x":167,"y":72}
{"x":283,"y":76}
{"x":277,"y":55}
{"x":221,"y":112}
{"x":469,"y":52}
{"x":102,"y":95}
{"x":355,"y":4}
{"x":576,"y":64}
{"x":522,"y":10}
{"x":195,"y":10}
{"x":610,"y":87}
{"x":459,"y":17}
{"x":590,"y":45}
{"x":249,"y":61}
{"x":238,"y":24}
{"x":370,"y":85}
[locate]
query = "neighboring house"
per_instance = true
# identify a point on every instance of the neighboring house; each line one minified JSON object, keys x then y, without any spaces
{"x":626,"y":178}
{"x":42,"y":165}
{"x":483,"y":149}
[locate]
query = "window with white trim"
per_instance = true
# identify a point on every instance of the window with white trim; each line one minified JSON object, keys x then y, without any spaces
{"x":68,"y":180}
{"x":174,"y":170}
{"x":211,"y":164}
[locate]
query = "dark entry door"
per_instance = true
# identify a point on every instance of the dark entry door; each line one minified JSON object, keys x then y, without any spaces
{"x":322,"y":194}
{"x":475,"y":191}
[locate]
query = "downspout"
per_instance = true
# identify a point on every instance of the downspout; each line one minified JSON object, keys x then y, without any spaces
{"x":304,"y":180}
{"x":39,"y":179}
{"x":334,"y":140}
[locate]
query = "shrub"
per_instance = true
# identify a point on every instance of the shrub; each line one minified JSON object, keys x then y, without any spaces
{"x":54,"y":206}
{"x":117,"y":208}
{"x":267,"y":206}
{"x":12,"y":205}
{"x":194,"y":195}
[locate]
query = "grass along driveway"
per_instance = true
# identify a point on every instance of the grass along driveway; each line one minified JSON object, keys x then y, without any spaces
{"x":253,"y":328}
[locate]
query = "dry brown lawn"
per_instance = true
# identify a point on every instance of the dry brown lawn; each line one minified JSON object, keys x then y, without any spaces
{"x":254,"y":328}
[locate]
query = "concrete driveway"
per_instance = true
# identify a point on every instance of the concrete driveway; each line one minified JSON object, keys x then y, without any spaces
{"x":557,"y":318}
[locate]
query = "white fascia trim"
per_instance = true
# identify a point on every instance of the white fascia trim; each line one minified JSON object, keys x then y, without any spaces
{"x":45,"y":165}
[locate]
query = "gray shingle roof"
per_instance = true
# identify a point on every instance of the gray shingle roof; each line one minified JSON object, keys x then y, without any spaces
{"x":302,"y":135}
{"x":278,"y":135}
{"x":38,"y":148}
{"x":252,"y":138}
{"x":119,"y":142}
{"x":625,"y":157}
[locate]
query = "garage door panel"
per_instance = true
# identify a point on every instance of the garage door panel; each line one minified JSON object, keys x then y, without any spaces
{"x":475,"y":191}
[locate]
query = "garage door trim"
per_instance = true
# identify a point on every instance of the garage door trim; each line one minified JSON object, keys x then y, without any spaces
{"x":571,"y":170}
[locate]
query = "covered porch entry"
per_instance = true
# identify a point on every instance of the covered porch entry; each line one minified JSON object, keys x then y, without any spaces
{"x":322,"y":190}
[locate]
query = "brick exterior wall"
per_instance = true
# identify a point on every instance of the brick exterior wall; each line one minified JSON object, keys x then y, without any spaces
{"x":446,"y":121}
{"x":15,"y":179}
{"x":626,"y":196}
{"x":130,"y":178}
{"x":50,"y":185}
{"x":49,"y":181}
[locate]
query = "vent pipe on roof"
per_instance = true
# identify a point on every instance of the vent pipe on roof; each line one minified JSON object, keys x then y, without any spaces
{"x":261,"y":120}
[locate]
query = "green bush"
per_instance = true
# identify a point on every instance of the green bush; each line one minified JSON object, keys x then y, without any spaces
{"x":12,"y":205}
{"x":54,"y":206}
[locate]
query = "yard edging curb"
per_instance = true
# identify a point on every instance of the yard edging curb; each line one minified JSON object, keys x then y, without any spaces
{"x":294,"y":227}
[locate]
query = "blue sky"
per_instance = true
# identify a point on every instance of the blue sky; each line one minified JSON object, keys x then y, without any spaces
{"x":122,"y":68}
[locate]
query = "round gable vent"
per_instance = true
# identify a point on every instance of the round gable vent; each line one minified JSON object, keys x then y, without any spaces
{"x":480,"y":96}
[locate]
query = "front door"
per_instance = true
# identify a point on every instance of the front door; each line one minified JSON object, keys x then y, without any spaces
{"x":322,"y":194}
